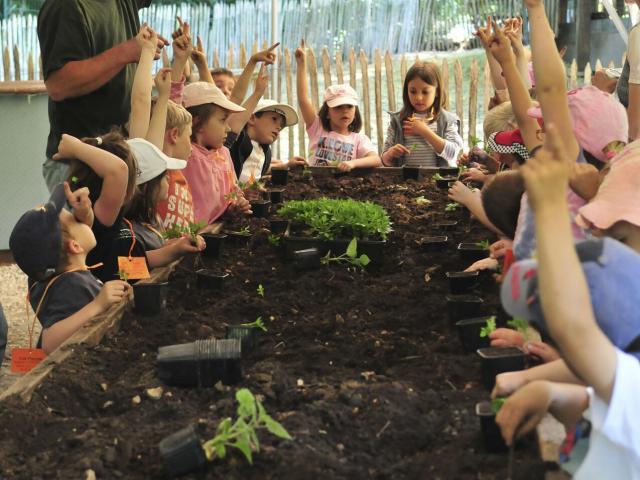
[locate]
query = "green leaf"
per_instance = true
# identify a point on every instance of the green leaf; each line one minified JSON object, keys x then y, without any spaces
{"x":496,"y":404}
{"x":276,"y":429}
{"x":364,"y":260}
{"x":246,"y":402}
{"x":352,"y":249}
{"x":489,"y":328}
{"x":521,"y":325}
{"x":221,"y":450}
{"x":422,"y":200}
{"x":242,"y":444}
{"x":74,"y":179}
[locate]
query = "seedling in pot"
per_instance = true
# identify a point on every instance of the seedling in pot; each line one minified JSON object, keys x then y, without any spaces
{"x":483,"y":244}
{"x":260,"y":208}
{"x":499,"y":360}
{"x":489,"y":328}
{"x":210,"y":279}
{"x":122,"y":275}
{"x":273,"y":240}
{"x":491,"y":434}
{"x":451,"y":207}
{"x":306,"y":258}
{"x":521,"y":326}
{"x":437,"y":177}
{"x":469,"y":333}
{"x":246,"y":333}
{"x":258,"y":323}
{"x":260,"y":290}
{"x":422,"y":201}
{"x":472,"y":252}
{"x":150,"y":298}
{"x":350,"y":256}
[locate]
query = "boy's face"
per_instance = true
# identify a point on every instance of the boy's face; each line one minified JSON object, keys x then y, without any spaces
{"x":182,"y":148}
{"x":213,"y":133}
{"x":266,"y":128}
{"x":80,"y":232}
{"x":225,"y":83}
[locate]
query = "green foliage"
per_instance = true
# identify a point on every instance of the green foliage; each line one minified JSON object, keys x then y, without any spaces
{"x":496,"y":404}
{"x":520,"y":325}
{"x":344,"y":218}
{"x":422,"y":201}
{"x":437,"y":176}
{"x":350,"y":256}
{"x":451,"y":207}
{"x":191,"y":230}
{"x":122,"y":275}
{"x":260,"y":290}
{"x":231,"y":196}
{"x":413,"y":147}
{"x":274,"y":239}
{"x":257,"y":324}
{"x":74,"y":179}
{"x":306,"y":171}
{"x":484,"y":244}
{"x":246,"y":231}
{"x":461,"y":170}
{"x":475,"y":141}
{"x":242,"y":434}
{"x":489,"y":328}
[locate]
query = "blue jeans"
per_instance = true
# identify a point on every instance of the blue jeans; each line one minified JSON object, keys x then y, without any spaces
{"x":4,"y":329}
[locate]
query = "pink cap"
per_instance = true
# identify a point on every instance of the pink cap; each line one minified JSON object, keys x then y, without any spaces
{"x":199,"y":93}
{"x":337,"y":95}
{"x":598,"y":119}
{"x":618,"y":197}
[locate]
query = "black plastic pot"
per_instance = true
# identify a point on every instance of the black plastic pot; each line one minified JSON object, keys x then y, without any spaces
{"x":278,"y":227}
{"x":276,"y":195}
{"x":462,"y":282}
{"x":182,"y":452}
{"x":248,"y":336}
{"x":500,"y":360}
{"x":491,"y":436}
{"x":202,"y":363}
{"x":443,"y":183}
{"x":411,"y":173}
{"x":293,"y":244}
{"x":469,"y":333}
{"x":150,"y":298}
{"x":463,"y":306}
{"x":372,"y":249}
{"x":260,"y":208}
{"x":210,"y":279}
{"x":434,"y":244}
{"x":306,"y":259}
{"x":279,"y":176}
{"x":470,"y":252}
{"x":215,"y":242}
{"x":238,"y":238}
{"x":445,"y":225}
{"x":448,"y":171}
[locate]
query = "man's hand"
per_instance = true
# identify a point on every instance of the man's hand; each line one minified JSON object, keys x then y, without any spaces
{"x":80,"y":204}
{"x":267,"y":56}
{"x":67,"y":147}
{"x":163,"y":82}
{"x":112,"y":292}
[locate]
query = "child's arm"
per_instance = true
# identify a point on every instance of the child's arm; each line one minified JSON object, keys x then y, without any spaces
{"x":525,"y":409}
{"x":460,"y":193}
{"x":237,"y":121}
{"x":182,"y":50}
{"x":166,"y":254}
{"x":633,"y":111}
{"x":520,"y":99}
{"x":567,"y":311}
{"x":550,"y":75}
{"x":392,"y":150}
{"x":484,"y":35}
{"x":371,"y":159}
{"x":513,"y":31}
{"x":448,"y":148}
{"x":54,"y":336}
{"x":158,"y":123}
{"x":268,"y":57}
{"x":200,"y":59}
{"x":142,"y":82}
{"x":306,"y":107}
{"x":113,"y":171}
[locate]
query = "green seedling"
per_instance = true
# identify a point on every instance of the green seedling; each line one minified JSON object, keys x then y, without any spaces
{"x":246,"y":231}
{"x":242,"y":433}
{"x":475,"y":141}
{"x":232,"y":196}
{"x":461,"y":170}
{"x":422,"y":201}
{"x":489,"y":328}
{"x":192,"y":230}
{"x":437,"y":176}
{"x":274,"y":239}
{"x":451,"y":207}
{"x":521,"y":326}
{"x":260,"y":290}
{"x":334,"y":163}
{"x":484,"y":244}
{"x":122,"y":275}
{"x":412,"y":148}
{"x":350,"y":256}
{"x":74,"y":179}
{"x":173,"y":232}
{"x":306,"y":171}
{"x":257,"y":324}
{"x":496,"y":404}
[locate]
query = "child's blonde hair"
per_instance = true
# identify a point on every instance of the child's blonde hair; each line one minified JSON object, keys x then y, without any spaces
{"x":177,"y":117}
{"x":499,"y":119}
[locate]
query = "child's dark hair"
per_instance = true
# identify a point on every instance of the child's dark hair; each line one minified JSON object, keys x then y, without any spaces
{"x":354,"y":126}
{"x":81,"y":175}
{"x":142,"y":207}
{"x":501,"y":201}
{"x":222,"y":71}
{"x":283,"y":121}
{"x":427,"y":72}
{"x":200,"y":115}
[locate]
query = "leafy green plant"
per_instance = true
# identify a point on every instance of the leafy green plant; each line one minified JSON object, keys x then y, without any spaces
{"x":413,"y":147}
{"x":451,"y":207}
{"x":192,"y":230}
{"x":260,"y":290}
{"x":521,"y":326}
{"x":484,"y":244}
{"x":437,"y":176}
{"x":242,"y":433}
{"x":334,"y":219}
{"x":496,"y":404}
{"x":74,"y":179}
{"x":422,"y":201}
{"x":122,"y":275}
{"x":246,"y":231}
{"x":489,"y":328}
{"x":231,"y":196}
{"x":475,"y":141}
{"x":257,"y":324}
{"x":350,"y":256}
{"x":273,"y":239}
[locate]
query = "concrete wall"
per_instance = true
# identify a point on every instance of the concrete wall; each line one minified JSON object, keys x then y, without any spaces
{"x":606,"y":42}
{"x":24,"y":127}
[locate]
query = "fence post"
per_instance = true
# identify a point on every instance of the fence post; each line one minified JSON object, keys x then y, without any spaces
{"x":457,"y":73}
{"x":587,"y":74}
{"x":30,"y":69}
{"x":326,"y":67}
{"x":6,"y":61}
{"x":574,"y":75}
{"x":254,"y":48}
{"x":313,"y":74}
{"x":473,"y":99}
{"x":391,"y":94}
{"x":365,"y":91}
{"x":339,"y":70}
{"x":486,"y":95}
{"x":289,"y":83}
{"x":40,"y":74}
{"x":243,"y":55}
{"x":16,"y":63}
{"x":216,"y":59}
{"x":352,"y":68}
{"x":445,"y":82}
{"x":598,"y":65}
{"x":230,"y":58}
{"x":378,"y":93}
{"x":403,"y":68}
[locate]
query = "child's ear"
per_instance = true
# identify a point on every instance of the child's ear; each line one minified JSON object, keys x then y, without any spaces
{"x":252,"y":120}
{"x":74,"y":248}
{"x":172,"y":135}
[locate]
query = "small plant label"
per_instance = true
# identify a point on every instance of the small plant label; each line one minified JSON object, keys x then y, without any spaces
{"x":24,"y":359}
{"x":135,"y":267}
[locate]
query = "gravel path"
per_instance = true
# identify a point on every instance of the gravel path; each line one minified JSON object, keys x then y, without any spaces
{"x":13,"y":292}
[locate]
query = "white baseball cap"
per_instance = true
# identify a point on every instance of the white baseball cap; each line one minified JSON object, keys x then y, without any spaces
{"x":151,"y":160}
{"x":287,"y":111}
{"x":200,"y":93}
{"x":337,"y":95}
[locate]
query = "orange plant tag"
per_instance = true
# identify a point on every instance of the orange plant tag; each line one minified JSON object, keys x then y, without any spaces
{"x":134,"y":267}
{"x":24,"y":359}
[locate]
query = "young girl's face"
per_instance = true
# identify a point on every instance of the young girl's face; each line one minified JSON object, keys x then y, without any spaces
{"x":214,"y":132}
{"x":163,"y":189}
{"x":342,"y":116}
{"x":421,"y":95}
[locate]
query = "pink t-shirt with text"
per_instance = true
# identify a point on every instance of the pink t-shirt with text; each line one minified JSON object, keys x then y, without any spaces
{"x":326,"y":147}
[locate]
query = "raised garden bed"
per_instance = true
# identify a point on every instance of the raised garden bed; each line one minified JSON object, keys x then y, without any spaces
{"x":362,"y":368}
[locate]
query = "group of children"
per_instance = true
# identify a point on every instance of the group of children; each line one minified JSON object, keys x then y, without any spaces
{"x":559,"y":188}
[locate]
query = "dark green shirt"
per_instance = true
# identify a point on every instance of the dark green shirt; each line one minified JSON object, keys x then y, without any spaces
{"x":71,"y":30}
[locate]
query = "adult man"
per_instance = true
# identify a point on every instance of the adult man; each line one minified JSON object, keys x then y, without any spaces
{"x":89,"y":53}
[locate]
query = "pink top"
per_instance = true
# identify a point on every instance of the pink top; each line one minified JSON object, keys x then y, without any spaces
{"x":210,"y":174}
{"x":326,"y":147}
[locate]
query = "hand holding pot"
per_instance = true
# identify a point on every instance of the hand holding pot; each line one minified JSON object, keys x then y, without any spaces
{"x":524,"y":410}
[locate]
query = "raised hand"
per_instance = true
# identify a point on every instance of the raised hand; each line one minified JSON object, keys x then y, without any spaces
{"x":267,"y":56}
{"x":301,"y":52}
{"x":163,"y":82}
{"x":198,"y":55}
{"x":147,"y":39}
{"x":501,"y":46}
{"x":263,"y":80}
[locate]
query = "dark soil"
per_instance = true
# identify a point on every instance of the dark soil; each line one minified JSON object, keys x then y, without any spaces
{"x":362,"y":368}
